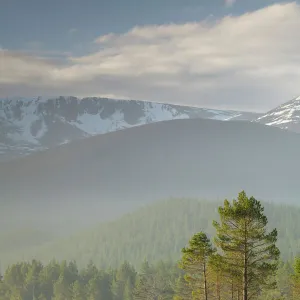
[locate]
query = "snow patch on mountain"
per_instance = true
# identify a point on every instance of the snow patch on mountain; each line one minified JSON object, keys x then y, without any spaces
{"x":93,"y":124}
{"x":223,"y":115}
{"x":285,"y":116}
{"x":156,"y":112}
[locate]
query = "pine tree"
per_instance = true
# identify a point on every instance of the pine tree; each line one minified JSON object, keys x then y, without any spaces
{"x":195,"y":263}
{"x":77,"y":291}
{"x":125,"y":275}
{"x":4,"y":291}
{"x":182,"y":289}
{"x":296,"y":280}
{"x":94,"y":288}
{"x":61,"y":289}
{"x":249,"y":250}
{"x":152,"y":286}
{"x":217,"y":275}
{"x":128,"y":289}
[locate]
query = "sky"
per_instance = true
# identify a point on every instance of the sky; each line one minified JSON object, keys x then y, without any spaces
{"x":242,"y":54}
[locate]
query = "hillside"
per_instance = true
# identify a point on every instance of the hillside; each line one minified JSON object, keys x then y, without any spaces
{"x":23,"y":238}
{"x":156,"y":231}
{"x":29,"y":125}
{"x":177,"y":158}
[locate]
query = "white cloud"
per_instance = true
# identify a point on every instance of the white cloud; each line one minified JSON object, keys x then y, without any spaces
{"x":246,"y":62}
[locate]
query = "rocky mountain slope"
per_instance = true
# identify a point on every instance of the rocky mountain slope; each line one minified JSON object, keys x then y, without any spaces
{"x":27,"y":125}
{"x":285,"y":116}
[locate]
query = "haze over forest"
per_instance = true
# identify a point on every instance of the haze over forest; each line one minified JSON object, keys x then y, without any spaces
{"x":149,"y":150}
{"x":104,"y":197}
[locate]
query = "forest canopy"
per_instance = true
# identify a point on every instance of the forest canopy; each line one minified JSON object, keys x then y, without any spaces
{"x":209,"y":264}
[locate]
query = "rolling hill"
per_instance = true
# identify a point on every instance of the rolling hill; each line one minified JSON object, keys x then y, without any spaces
{"x":193,"y":158}
{"x":157,"y":231}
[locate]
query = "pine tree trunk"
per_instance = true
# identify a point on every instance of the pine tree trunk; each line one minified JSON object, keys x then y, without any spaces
{"x":205,"y":282}
{"x":218,"y":289}
{"x":245,"y":277}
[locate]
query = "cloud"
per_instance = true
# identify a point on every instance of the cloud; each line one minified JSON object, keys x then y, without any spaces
{"x":249,"y":62}
{"x":229,"y":2}
{"x":73,"y":30}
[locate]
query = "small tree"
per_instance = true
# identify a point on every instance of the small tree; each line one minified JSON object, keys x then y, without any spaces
{"x":195,"y":263}
{"x":182,"y":289}
{"x":249,"y":250}
{"x":152,"y":287}
{"x":77,"y":291}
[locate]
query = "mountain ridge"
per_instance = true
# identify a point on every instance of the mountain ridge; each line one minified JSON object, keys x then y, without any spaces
{"x":29,"y":125}
{"x":285,"y":116}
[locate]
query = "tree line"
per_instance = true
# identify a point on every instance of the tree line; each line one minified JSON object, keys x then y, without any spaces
{"x":241,"y":262}
{"x":156,"y":231}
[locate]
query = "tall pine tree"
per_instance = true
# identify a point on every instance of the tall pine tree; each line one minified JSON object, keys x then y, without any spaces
{"x":249,"y":250}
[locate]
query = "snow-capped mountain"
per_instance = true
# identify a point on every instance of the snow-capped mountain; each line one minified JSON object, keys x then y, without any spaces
{"x":28,"y":125}
{"x":285,"y":116}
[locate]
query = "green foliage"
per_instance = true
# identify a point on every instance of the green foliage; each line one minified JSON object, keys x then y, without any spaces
{"x":249,"y":250}
{"x":297,"y":267}
{"x":162,"y":280}
{"x":90,"y":283}
{"x":295,"y":279}
{"x":195,"y":263}
{"x":159,"y":233}
{"x":156,"y":282}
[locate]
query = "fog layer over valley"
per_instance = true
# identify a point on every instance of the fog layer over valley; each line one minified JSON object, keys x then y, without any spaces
{"x":153,"y":232}
{"x":150,"y":150}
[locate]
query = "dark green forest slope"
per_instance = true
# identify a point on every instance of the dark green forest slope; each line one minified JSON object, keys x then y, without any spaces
{"x":240,"y":260}
{"x":154,"y":232}
{"x":64,"y":280}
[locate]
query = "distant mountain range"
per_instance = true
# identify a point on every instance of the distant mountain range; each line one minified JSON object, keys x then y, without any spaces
{"x":27,"y":125}
{"x":31,"y":124}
